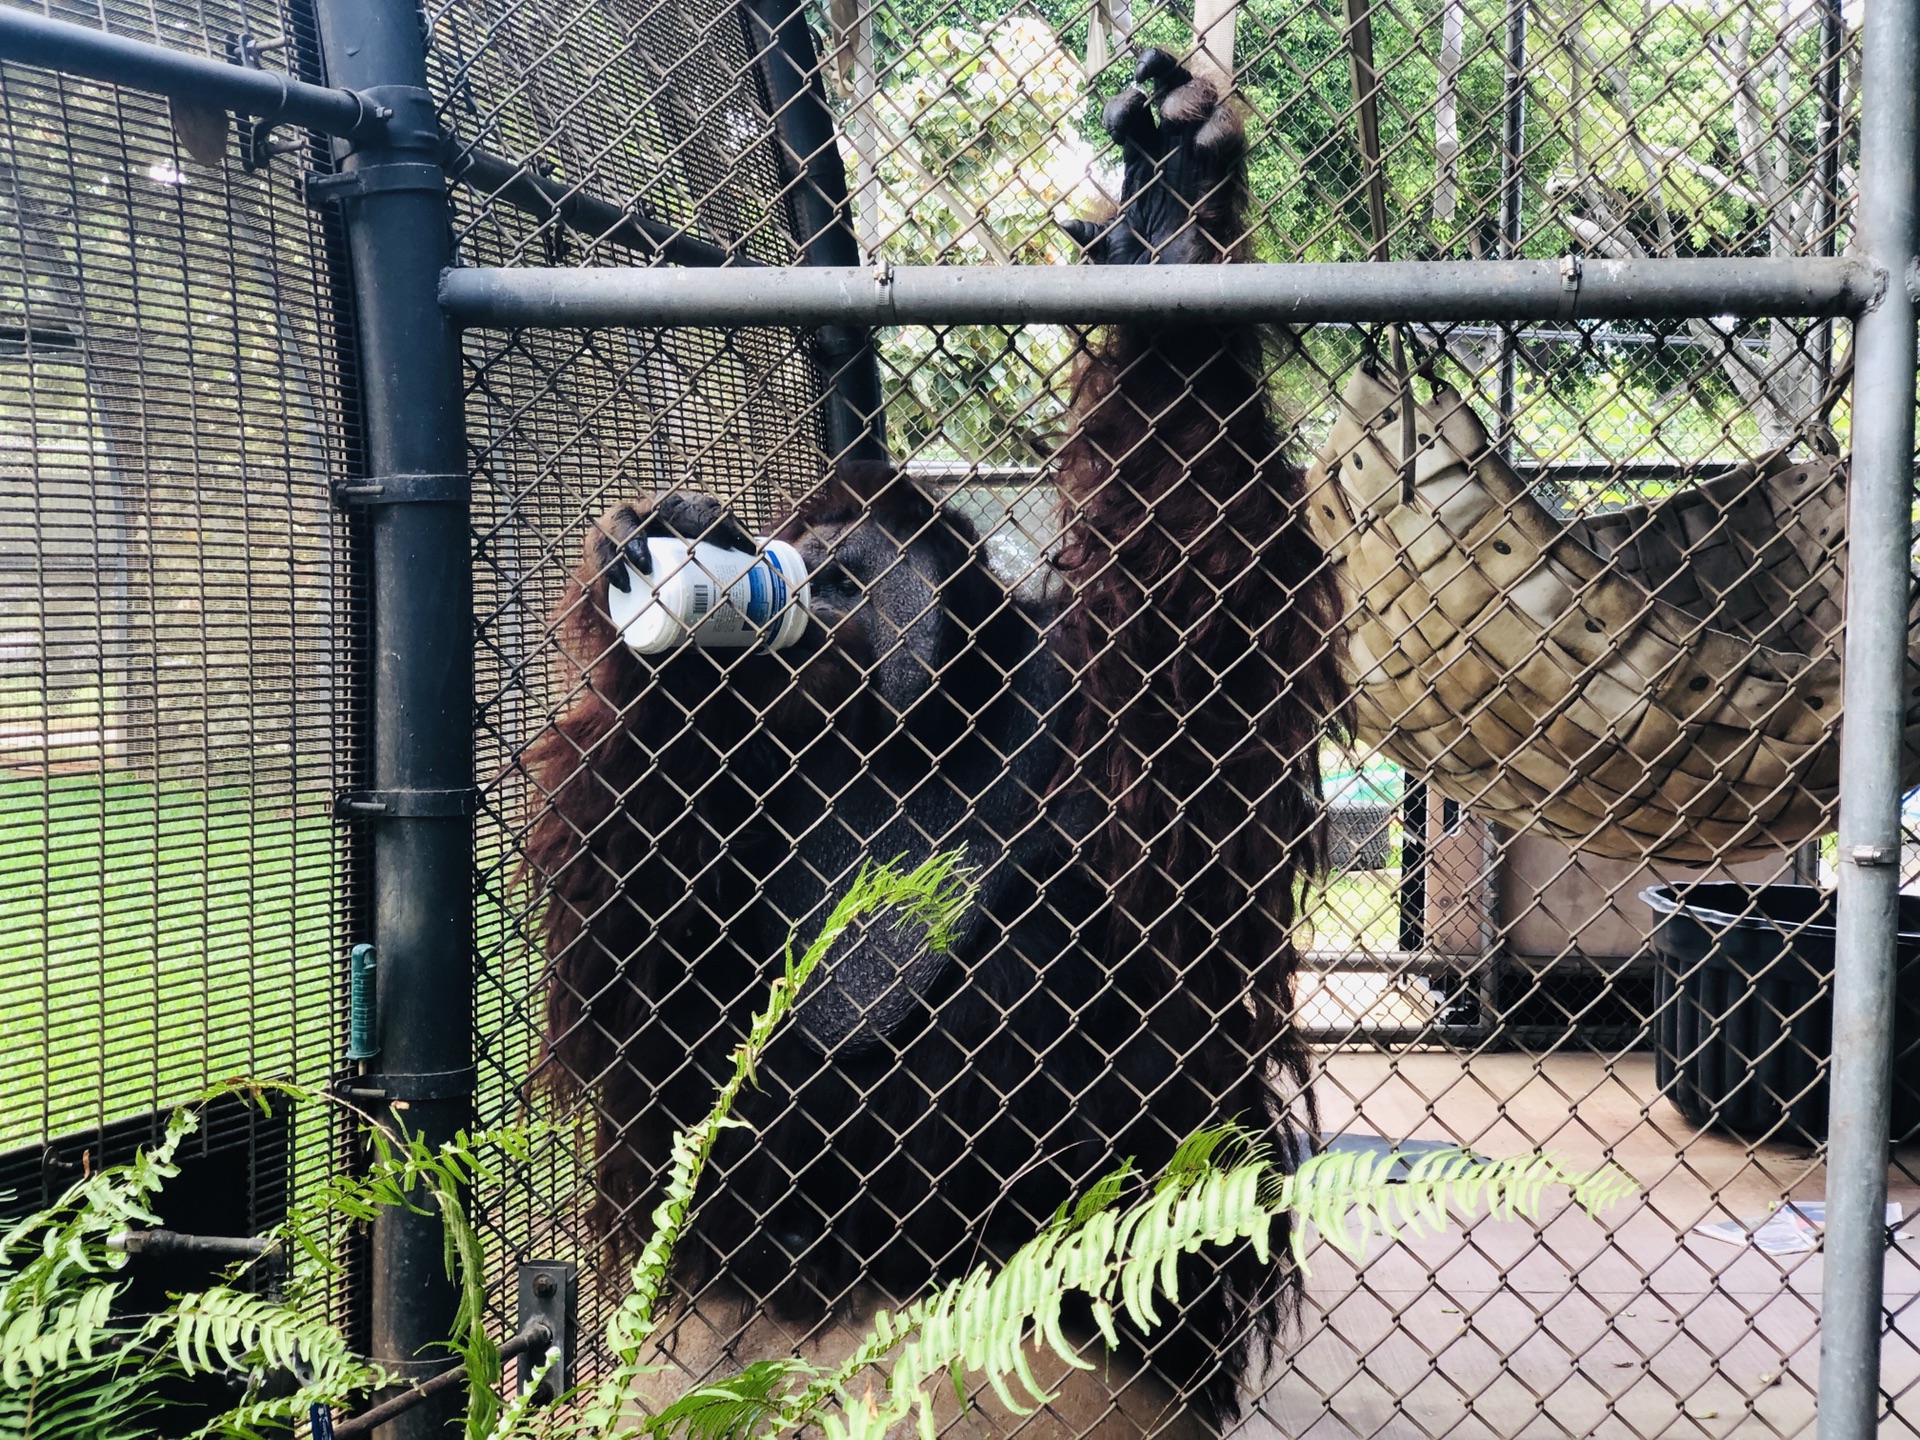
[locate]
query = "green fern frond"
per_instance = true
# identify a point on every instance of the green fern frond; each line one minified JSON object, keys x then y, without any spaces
{"x":407,"y":1171}
{"x":516,"y":1417}
{"x":56,"y":1266}
{"x":217,"y":1330}
{"x":1222,"y":1188}
{"x":1334,"y":1191}
{"x":107,"y":1399}
{"x":39,"y":1338}
{"x":734,"y":1408}
{"x":933,"y":895}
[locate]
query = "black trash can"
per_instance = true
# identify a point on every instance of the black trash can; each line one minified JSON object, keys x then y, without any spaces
{"x":1743,"y":1025}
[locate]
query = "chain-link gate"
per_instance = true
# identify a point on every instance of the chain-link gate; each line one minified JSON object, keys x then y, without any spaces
{"x":1390,"y":707}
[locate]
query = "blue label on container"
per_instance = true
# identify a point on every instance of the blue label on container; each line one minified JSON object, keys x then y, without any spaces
{"x":759,"y":595}
{"x":766,"y":592}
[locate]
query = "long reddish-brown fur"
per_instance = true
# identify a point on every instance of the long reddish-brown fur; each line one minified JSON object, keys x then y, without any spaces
{"x":1195,"y":630}
{"x":1202,"y":630}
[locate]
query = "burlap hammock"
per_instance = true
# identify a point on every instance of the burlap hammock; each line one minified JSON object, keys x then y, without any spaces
{"x":1661,"y":682}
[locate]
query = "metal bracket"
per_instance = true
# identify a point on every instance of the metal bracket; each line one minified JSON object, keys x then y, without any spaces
{"x":401,"y":490}
{"x":1868,"y":856}
{"x":245,"y":51}
{"x":1571,"y":273}
{"x":402,"y":1089}
{"x":548,"y":1292}
{"x":373,"y":180}
{"x":405,"y":804}
{"x":257,"y":145}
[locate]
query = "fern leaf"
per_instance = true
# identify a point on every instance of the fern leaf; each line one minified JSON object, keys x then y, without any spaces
{"x":225,"y":1330}
{"x":108,"y":1399}
{"x":733,"y":1408}
{"x":55,"y":1290}
{"x":1125,"y":1261}
{"x":933,"y":895}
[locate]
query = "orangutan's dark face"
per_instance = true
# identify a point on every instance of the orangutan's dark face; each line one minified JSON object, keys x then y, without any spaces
{"x":879,"y":596}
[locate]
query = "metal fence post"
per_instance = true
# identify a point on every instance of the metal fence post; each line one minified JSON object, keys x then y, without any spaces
{"x":1513,"y":178}
{"x":420,"y":806}
{"x":1879,"y":539}
{"x":789,"y":66}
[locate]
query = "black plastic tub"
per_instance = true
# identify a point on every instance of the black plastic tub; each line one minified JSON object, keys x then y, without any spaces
{"x":1744,"y":1021}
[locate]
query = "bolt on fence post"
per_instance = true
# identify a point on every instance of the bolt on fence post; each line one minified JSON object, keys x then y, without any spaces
{"x":1879,"y":530}
{"x":421,"y":803}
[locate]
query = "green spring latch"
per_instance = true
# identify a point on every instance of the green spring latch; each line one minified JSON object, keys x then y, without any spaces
{"x":361,"y":1026}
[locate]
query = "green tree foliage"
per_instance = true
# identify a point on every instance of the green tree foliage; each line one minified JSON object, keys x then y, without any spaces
{"x":1683,"y":129}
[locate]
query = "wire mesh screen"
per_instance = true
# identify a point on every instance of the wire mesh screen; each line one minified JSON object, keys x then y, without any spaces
{"x":1557,"y":694}
{"x":174,"y":697}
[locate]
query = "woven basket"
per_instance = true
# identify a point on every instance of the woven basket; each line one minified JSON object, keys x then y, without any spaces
{"x":1662,"y":682}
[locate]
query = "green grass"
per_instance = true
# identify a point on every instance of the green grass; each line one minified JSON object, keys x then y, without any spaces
{"x":157,"y":939}
{"x":1358,"y":909}
{"x":154,"y":940}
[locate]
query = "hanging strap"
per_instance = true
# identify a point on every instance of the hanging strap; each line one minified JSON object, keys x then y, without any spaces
{"x":1366,"y":91}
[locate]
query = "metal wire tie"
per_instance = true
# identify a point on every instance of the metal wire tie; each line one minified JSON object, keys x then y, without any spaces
{"x":405,"y":804}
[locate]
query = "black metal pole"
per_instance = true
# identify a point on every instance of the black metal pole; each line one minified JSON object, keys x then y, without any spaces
{"x":1513,"y":147}
{"x":779,"y":38}
{"x":420,"y":809}
{"x":1412,"y":893}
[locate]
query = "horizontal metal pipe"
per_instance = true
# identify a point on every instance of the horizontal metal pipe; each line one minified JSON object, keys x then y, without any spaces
{"x":1480,"y":1037}
{"x":1358,"y":1035}
{"x":534,"y":1339}
{"x":172,"y":1243}
{"x":30,"y":39}
{"x":1434,"y":290}
{"x":1386,"y":962}
{"x":589,"y":215}
{"x":955,"y":473}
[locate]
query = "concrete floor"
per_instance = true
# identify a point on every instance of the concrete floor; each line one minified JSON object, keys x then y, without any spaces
{"x":1622,"y":1326}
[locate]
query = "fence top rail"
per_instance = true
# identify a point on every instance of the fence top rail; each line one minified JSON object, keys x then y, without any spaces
{"x":30,"y":39}
{"x":1519,"y":290}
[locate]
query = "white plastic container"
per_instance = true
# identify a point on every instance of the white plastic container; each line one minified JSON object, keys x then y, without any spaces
{"x":719,"y":599}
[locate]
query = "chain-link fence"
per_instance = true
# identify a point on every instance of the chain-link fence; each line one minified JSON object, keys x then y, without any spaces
{"x":1382,"y":737}
{"x":1465,"y":975}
